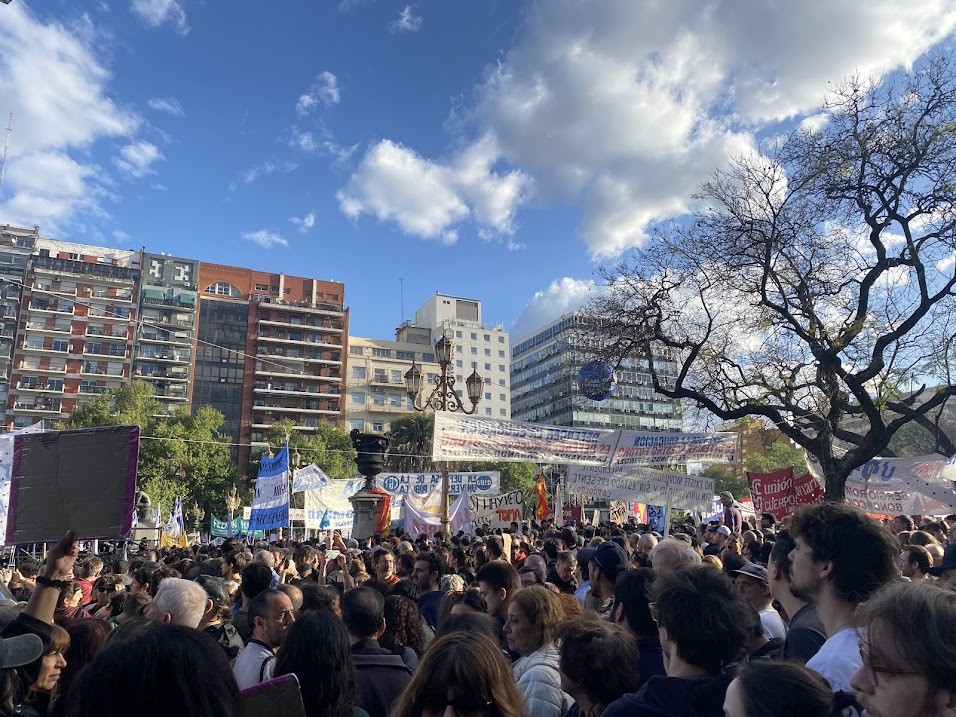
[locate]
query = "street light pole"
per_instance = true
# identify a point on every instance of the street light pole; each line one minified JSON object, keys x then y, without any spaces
{"x":443,"y":398}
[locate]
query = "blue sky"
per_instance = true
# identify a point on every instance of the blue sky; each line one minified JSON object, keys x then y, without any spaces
{"x":501,"y":150}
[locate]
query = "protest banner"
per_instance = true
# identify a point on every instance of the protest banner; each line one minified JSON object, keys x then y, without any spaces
{"x":619,"y":512}
{"x":309,"y":477}
{"x":418,"y":521}
{"x":476,"y":483}
{"x":270,"y":504}
{"x":656,"y":448}
{"x":6,"y":469}
{"x":81,"y":480}
{"x":781,"y":492}
{"x":466,"y":438}
{"x":220,"y":528}
{"x":571,"y":512}
{"x":497,"y":511}
{"x":644,"y":485}
{"x":923,"y":485}
{"x":329,"y":505}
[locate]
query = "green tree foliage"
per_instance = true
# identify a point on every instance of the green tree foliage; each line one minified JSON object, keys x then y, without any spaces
{"x":814,"y":280}
{"x":726,"y":480}
{"x":329,"y":447}
{"x":410,"y":447}
{"x":180,"y":455}
{"x":777,"y":456}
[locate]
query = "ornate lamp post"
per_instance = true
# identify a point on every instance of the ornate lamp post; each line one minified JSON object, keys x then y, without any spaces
{"x":370,"y":458}
{"x":232,"y":505}
{"x":443,"y":398}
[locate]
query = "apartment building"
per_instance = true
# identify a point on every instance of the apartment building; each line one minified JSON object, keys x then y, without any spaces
{"x":75,"y":335}
{"x":16,"y":247}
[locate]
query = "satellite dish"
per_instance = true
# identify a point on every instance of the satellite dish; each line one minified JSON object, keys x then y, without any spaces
{"x":597,"y":380}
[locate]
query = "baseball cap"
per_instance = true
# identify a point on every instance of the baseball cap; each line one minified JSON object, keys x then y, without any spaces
{"x":752,"y":570}
{"x":609,"y":556}
{"x":723,"y":530}
{"x":20,"y":650}
{"x":949,"y":561}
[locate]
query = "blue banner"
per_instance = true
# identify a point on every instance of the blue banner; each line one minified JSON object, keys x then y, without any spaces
{"x":270,"y":505}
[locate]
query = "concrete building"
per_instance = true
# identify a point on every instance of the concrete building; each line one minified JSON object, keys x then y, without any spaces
{"x":166,"y":330}
{"x":375,"y":387}
{"x":544,"y":383}
{"x":75,"y":329}
{"x":16,"y":247}
{"x":269,"y":346}
{"x":477,"y":348}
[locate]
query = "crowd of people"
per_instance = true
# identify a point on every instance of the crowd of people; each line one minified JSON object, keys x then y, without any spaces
{"x":830,"y":612}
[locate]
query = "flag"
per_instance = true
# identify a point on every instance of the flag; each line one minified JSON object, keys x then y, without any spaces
{"x":541,"y":490}
{"x":174,"y":532}
{"x":325,"y":523}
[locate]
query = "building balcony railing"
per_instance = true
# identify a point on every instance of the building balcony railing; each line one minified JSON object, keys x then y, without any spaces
{"x":166,"y":340}
{"x":50,"y":308}
{"x":93,"y":390}
{"x":176,"y":302}
{"x":48,"y":328}
{"x":159,"y":376}
{"x":116,"y":335}
{"x":297,"y":427}
{"x":37,"y":408}
{"x":301,"y":391}
{"x":49,"y":264}
{"x":54,"y":289}
{"x":38,"y":388}
{"x":27,"y":348}
{"x":22,"y":367}
{"x":106,"y":354}
{"x":258,"y":406}
{"x":167,"y":357}
{"x":301,"y":325}
{"x":297,"y":342}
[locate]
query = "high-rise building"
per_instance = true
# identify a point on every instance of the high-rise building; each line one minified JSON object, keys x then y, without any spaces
{"x":16,"y":247}
{"x":375,"y":387}
{"x":166,"y":330}
{"x":270,"y":346}
{"x":477,"y":348}
{"x":75,"y":337}
{"x":545,"y":388}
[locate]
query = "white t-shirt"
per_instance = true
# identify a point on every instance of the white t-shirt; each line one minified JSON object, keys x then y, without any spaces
{"x":838,"y":659}
{"x":773,"y":625}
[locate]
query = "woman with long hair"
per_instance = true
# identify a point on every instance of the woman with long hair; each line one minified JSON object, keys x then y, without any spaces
{"x":770,"y":688}
{"x":468,"y":672}
{"x":534,"y":614}
{"x":317,"y":651}
{"x":404,"y":630}
{"x":87,"y":638}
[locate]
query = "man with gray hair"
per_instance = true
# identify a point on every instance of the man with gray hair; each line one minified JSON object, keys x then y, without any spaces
{"x":179,"y":602}
{"x":671,"y":554}
{"x":269,"y":560}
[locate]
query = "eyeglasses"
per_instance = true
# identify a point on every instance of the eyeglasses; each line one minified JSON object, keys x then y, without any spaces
{"x":107,"y":588}
{"x":871,"y":671}
{"x":432,"y":704}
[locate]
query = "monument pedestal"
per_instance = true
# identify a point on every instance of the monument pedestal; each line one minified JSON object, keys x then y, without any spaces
{"x":367,"y":505}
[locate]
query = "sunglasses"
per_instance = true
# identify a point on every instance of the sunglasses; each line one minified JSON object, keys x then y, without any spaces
{"x":107,"y":588}
{"x":432,"y":704}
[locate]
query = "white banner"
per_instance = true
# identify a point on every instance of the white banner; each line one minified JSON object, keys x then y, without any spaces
{"x":655,"y":448}
{"x":420,"y":522}
{"x":925,"y":485}
{"x":309,"y":477}
{"x":6,"y":471}
{"x":270,"y":503}
{"x":496,"y":512}
{"x":333,"y":498}
{"x":642,"y":485}
{"x":401,"y":484}
{"x":466,"y":438}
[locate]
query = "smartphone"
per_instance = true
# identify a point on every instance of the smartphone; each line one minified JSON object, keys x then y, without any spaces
{"x":333,"y":554}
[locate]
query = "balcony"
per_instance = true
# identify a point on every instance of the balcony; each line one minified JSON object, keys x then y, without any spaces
{"x":267,"y":426}
{"x":300,"y":391}
{"x":50,"y":308}
{"x":48,"y":328}
{"x":166,"y":357}
{"x":158,"y":297}
{"x":93,"y":390}
{"x":43,"y":349}
{"x":386,"y":408}
{"x":38,"y":387}
{"x":166,"y":321}
{"x":168,"y":339}
{"x":103,"y":296}
{"x":379,"y":380}
{"x":35,"y":368}
{"x":261,"y":406}
{"x":54,"y":289}
{"x":106,"y":353}
{"x":52,"y":407}
{"x":107,"y":272}
{"x":114,"y":335}
{"x":301,"y":325}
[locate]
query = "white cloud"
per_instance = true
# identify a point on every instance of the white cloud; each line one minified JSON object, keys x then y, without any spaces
{"x":264,"y":169}
{"x":430,"y":198}
{"x":159,"y":12}
{"x":304,"y":223}
{"x":121,"y":236}
{"x":169,"y":105}
{"x":621,"y":108}
{"x":265,"y":238}
{"x":159,"y":187}
{"x":137,"y":159}
{"x":324,"y":91}
{"x":53,"y":77}
{"x":303,"y":140}
{"x":407,"y":21}
{"x":561,"y":297}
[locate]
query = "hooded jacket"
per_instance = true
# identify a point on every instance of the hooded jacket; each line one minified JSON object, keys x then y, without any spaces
{"x":226,"y":634}
{"x":539,"y":682}
{"x":673,"y":697}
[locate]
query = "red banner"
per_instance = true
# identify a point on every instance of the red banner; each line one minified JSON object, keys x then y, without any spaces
{"x":779,"y":493}
{"x":571,"y":512}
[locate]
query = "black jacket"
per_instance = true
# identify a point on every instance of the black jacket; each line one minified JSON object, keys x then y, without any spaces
{"x":673,"y":697}
{"x":227,"y":636}
{"x":382,"y":676}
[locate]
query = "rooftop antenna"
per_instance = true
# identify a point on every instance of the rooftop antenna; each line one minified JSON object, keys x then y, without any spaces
{"x":6,"y":146}
{"x":401,"y":281}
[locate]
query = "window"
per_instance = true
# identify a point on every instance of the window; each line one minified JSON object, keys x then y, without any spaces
{"x":295,"y":336}
{"x":358,"y":372}
{"x":223,"y":289}
{"x":501,"y":382}
{"x":262,"y":287}
{"x":379,"y":375}
{"x":487,"y":381}
{"x":357,"y":425}
{"x":60,"y":345}
{"x":501,"y":339}
{"x":458,"y":364}
{"x":355,"y":350}
{"x":378,"y":427}
{"x":487,"y":367}
{"x":474,"y":364}
{"x":501,"y":397}
{"x":501,"y":367}
{"x":431,"y":357}
{"x":395,"y":399}
{"x":432,"y":377}
{"x":474,"y":350}
{"x":74,"y":256}
{"x":487,"y":410}
{"x":502,"y":412}
{"x":457,"y":349}
{"x":378,"y":399}
{"x":487,"y":352}
{"x":474,"y":336}
{"x":487,"y":395}
{"x":358,"y":398}
{"x":381,"y":353}
{"x":405,"y":355}
{"x":501,"y":354}
{"x":396,"y":375}
{"x":458,"y":334}
{"x":487,"y":337}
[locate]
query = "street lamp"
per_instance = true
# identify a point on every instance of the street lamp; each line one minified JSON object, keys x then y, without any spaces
{"x":443,"y":397}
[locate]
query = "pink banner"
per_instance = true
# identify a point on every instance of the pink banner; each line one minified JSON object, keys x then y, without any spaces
{"x":779,"y":493}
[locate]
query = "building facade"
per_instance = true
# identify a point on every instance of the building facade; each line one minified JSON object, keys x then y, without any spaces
{"x":486,"y":350}
{"x":16,"y":248}
{"x":545,"y":388}
{"x":75,"y":335}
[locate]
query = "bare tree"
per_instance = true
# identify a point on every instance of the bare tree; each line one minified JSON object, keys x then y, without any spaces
{"x":816,"y":280}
